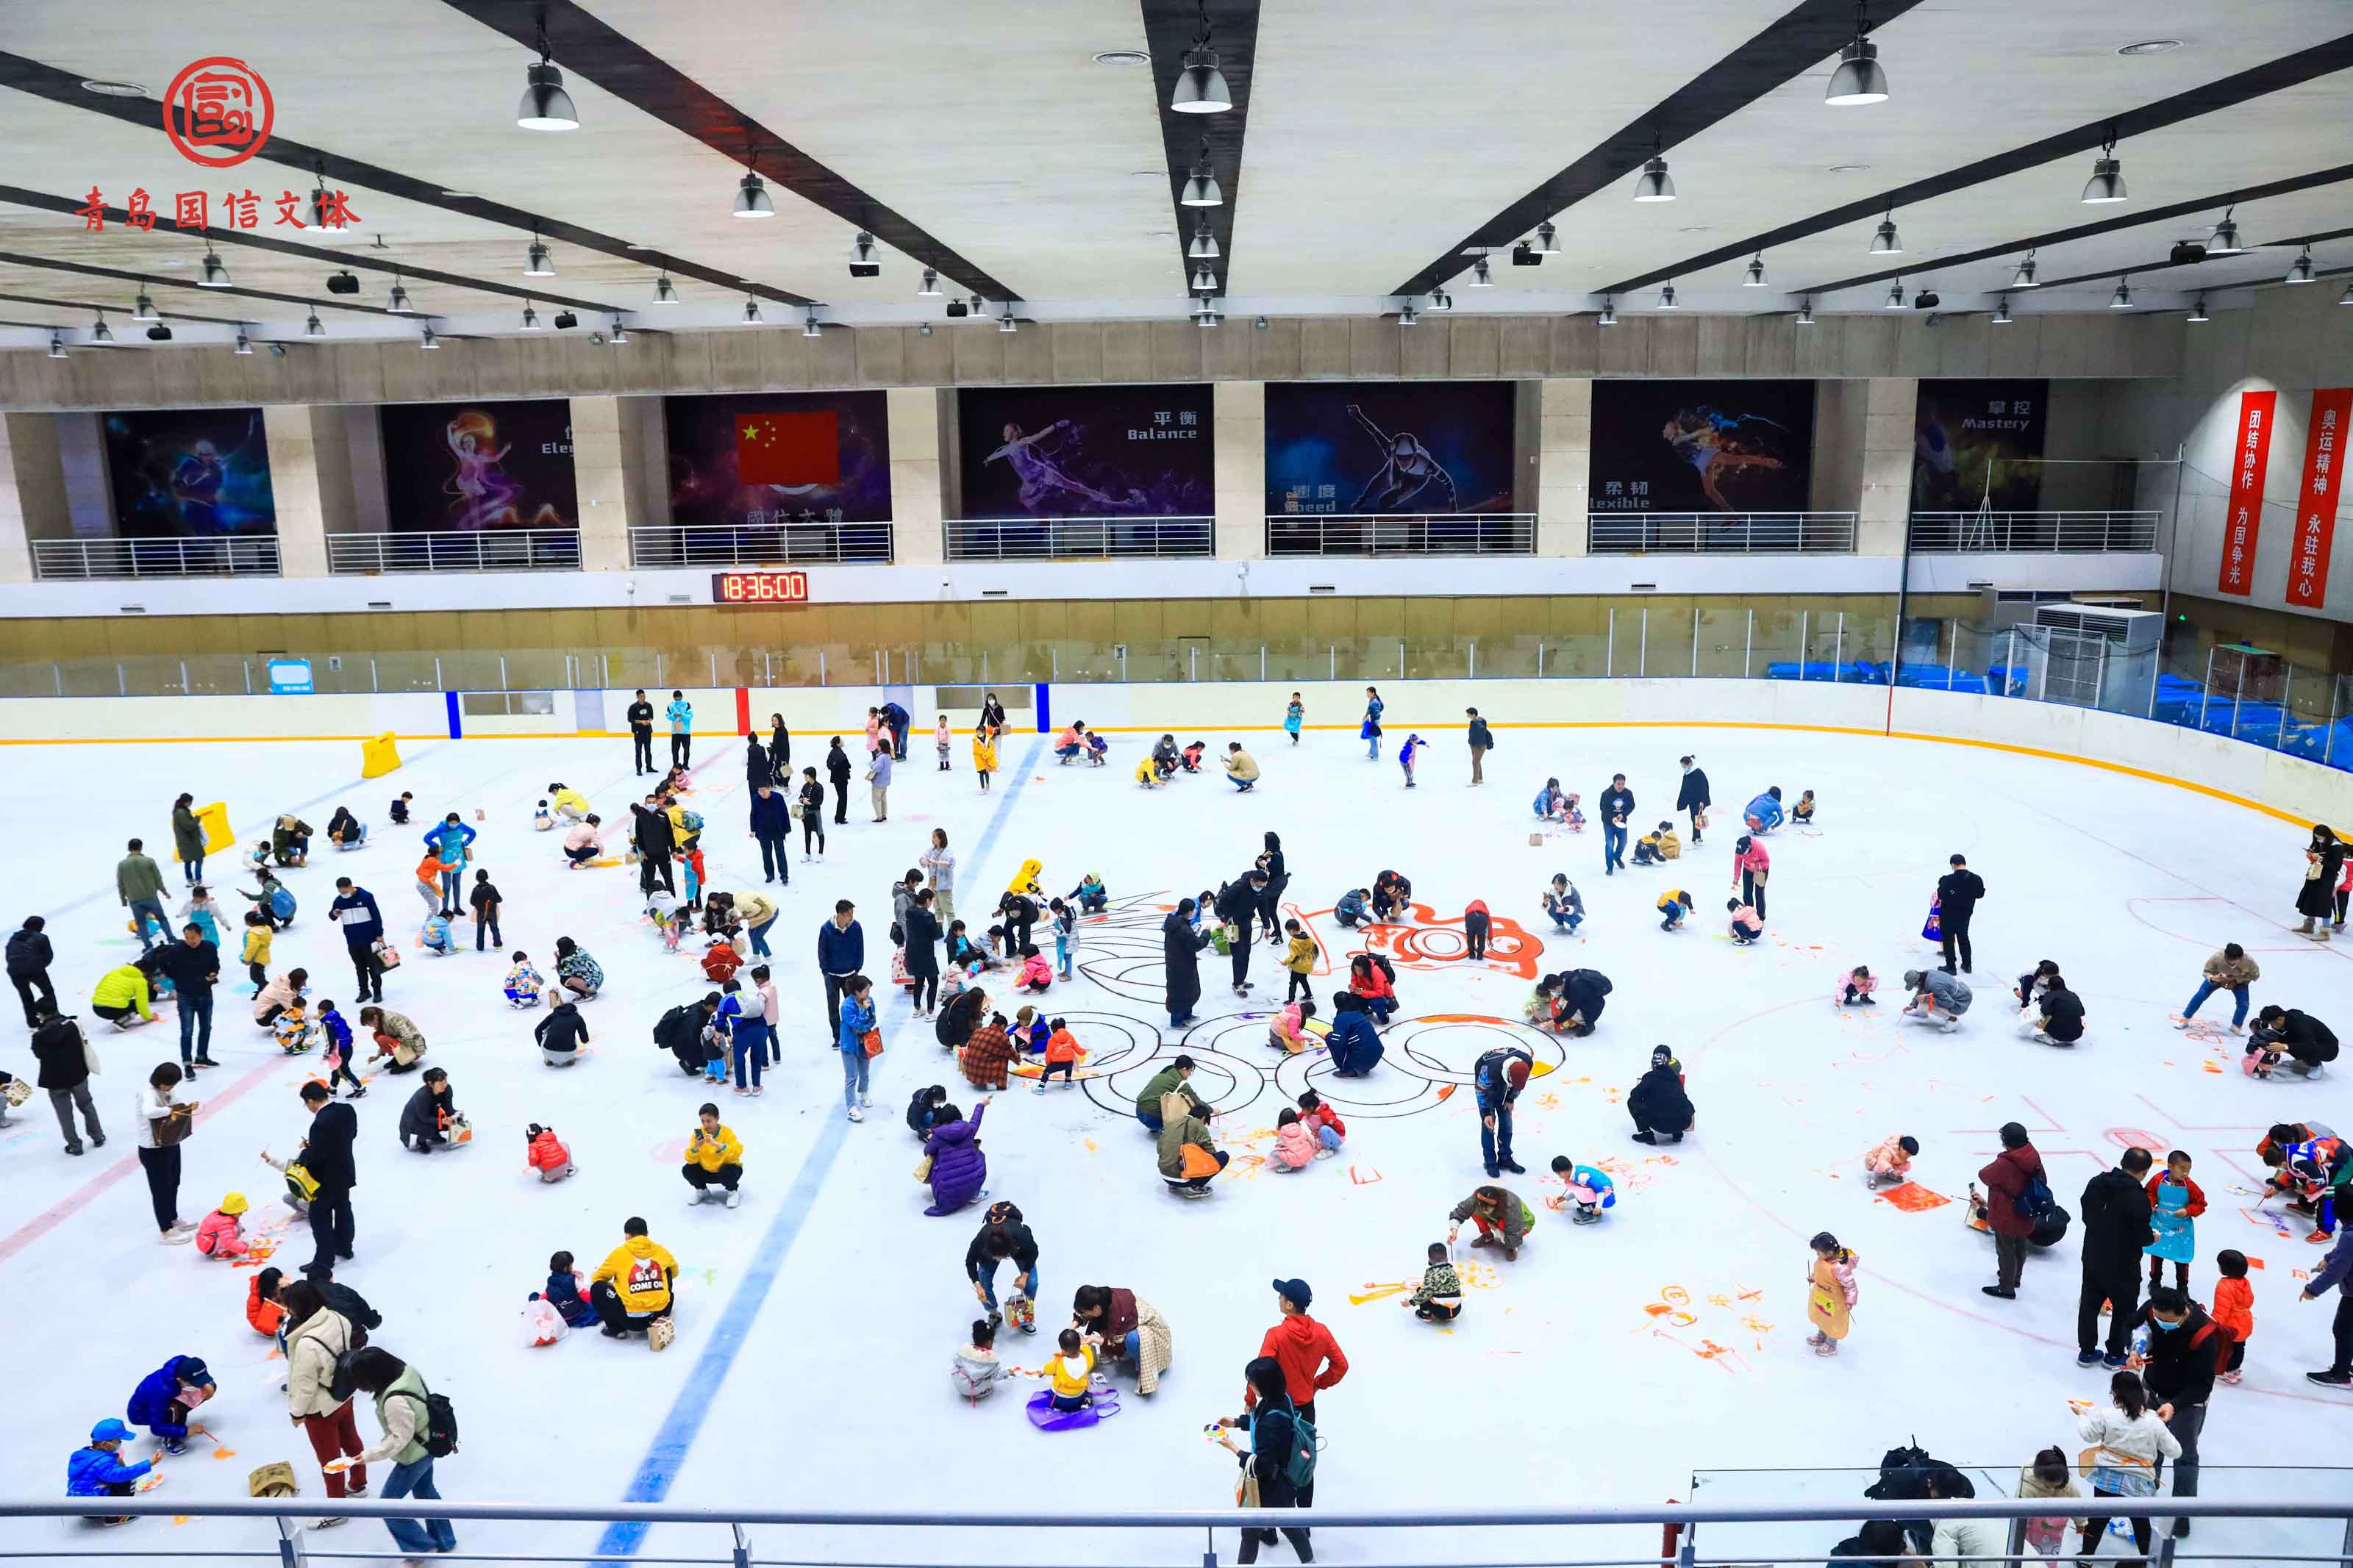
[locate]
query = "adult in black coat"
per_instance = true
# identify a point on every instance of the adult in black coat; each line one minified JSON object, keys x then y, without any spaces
{"x":1958,"y":892}
{"x":961,"y":1019}
{"x":1278,"y":878}
{"x":327,"y":1155}
{"x":1583,"y":993}
{"x":2116,"y":1228}
{"x":1693,"y":796}
{"x":1658,"y":1102}
{"x":1181,"y":947}
{"x":425,"y":1119}
{"x":1002,"y":1235}
{"x":2315,"y":900}
{"x":772,"y":825}
{"x":1616,"y":809}
{"x":2186,"y":1351}
{"x":29,"y":957}
{"x":992,"y":712}
{"x":780,"y":750}
{"x":641,"y":734}
{"x":922,"y":930}
{"x":757,"y":769}
{"x":837,"y":768}
{"x":680,"y":1031}
{"x":656,"y":841}
{"x":59,"y":1047}
{"x":561,"y":1035}
{"x":1018,"y":913}
{"x":1237,"y":906}
{"x":2310,"y":1044}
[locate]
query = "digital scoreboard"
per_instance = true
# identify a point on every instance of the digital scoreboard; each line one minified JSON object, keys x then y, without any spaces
{"x":759,"y":587}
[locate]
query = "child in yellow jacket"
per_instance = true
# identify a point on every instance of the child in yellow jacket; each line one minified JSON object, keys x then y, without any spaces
{"x":984,"y":755}
{"x":258,"y":932}
{"x":1070,"y":1371}
{"x":1300,"y":960}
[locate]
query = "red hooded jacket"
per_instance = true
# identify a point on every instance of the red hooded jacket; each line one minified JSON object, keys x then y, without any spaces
{"x":1310,"y":1357}
{"x":2005,"y":1180}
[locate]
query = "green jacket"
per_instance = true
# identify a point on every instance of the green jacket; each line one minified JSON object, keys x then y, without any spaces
{"x":1517,"y":1218}
{"x":188,"y":832}
{"x":1437,"y":1279}
{"x":403,"y":1398}
{"x":136,"y":877}
{"x":1168,"y":1080}
{"x":1174,"y":1133}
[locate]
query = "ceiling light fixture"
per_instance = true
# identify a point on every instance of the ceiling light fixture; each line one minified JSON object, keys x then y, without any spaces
{"x":2002,"y":312}
{"x":428,"y":341}
{"x":929,"y":288}
{"x":620,"y":336}
{"x":1406,"y":317}
{"x":2301,"y":272}
{"x":1204,"y":246}
{"x":976,"y":306}
{"x":2024,"y":276}
{"x":1209,"y":315}
{"x":1895,"y":295}
{"x":1201,"y":186}
{"x":1201,"y":87}
{"x":1439,"y":299}
{"x":1480,"y":275}
{"x":2226,"y":238}
{"x":2122,"y":298}
{"x":215,"y":276}
{"x":57,"y":346}
{"x":1858,"y":78}
{"x":1547,"y":239}
{"x":751,"y":309}
{"x":99,"y":333}
{"x":244,"y":345}
{"x":2151,"y":47}
{"x":144,"y":311}
{"x":1121,"y":57}
{"x":1654,"y":185}
{"x":536,"y":263}
{"x":663,"y":293}
{"x":2107,"y":181}
{"x":752,"y":197}
{"x":115,"y":88}
{"x":1006,"y":323}
{"x":314,"y":328}
{"x":545,"y":105}
{"x":398,"y":303}
{"x":810,"y":329}
{"x":327,"y":213}
{"x":530,"y":318}
{"x":1848,"y":168}
{"x":864,"y":260}
{"x":1805,"y":314}
{"x":1885,"y":240}
{"x":2198,"y":312}
{"x":1609,"y":313}
{"x":1755,"y":277}
{"x":1667,"y":298}
{"x":1204,"y":280}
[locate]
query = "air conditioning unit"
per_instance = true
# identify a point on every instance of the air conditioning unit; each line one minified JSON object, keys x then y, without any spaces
{"x":2093,"y":656}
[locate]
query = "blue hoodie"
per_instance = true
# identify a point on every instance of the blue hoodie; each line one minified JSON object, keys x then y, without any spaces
{"x":1767,"y":811}
{"x":840,"y":952}
{"x":90,"y":1470}
{"x":152,"y":1401}
{"x":856,"y":1019}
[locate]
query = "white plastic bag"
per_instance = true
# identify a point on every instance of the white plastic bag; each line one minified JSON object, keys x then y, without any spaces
{"x":542,"y":1325}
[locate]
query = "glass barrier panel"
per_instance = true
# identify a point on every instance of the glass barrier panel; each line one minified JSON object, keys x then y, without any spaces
{"x":1723,"y":644}
{"x":1507,"y":657}
{"x":1299,"y":664}
{"x":1625,"y":635}
{"x":1668,"y":649}
{"x":1437,"y":657}
{"x":1575,"y":657}
{"x":1773,"y":645}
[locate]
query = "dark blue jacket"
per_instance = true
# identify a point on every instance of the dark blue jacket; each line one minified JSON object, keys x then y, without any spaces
{"x":563,"y":1292}
{"x":1488,"y":1077}
{"x":1355,"y":1044}
{"x":771,"y":818}
{"x":894,"y":716}
{"x":357,"y":932}
{"x":152,"y":1399}
{"x":2337,"y":1271}
{"x":89,"y":1471}
{"x":840,"y":952}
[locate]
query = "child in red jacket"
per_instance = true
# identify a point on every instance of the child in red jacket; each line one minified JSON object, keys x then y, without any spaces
{"x":1061,"y":1056}
{"x":721,"y":962}
{"x":2234,"y":1309}
{"x":546,"y":1153}
{"x":1329,"y":1129}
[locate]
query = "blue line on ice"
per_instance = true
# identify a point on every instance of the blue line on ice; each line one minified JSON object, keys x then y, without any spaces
{"x":679,"y":1427}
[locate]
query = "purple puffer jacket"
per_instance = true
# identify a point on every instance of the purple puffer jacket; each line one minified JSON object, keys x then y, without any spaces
{"x":958,"y":1167}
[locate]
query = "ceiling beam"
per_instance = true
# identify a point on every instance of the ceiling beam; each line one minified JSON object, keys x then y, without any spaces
{"x":2288,"y":242}
{"x":1937,"y":266}
{"x":156,"y":280}
{"x":2272,"y":76}
{"x":64,"y":88}
{"x":1792,"y":44}
{"x":581,"y":42}
{"x":100,"y":307}
{"x":1169,"y":29}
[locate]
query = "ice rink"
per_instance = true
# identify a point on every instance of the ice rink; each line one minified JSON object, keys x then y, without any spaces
{"x":817,"y":1321}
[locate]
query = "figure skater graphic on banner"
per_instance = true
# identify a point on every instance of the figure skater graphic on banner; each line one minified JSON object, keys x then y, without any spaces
{"x":197,"y":480}
{"x":1040,"y":475}
{"x":1702,"y":436}
{"x":486,"y":496}
{"x":1407,"y":471}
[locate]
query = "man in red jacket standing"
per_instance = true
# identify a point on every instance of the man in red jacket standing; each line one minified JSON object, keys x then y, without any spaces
{"x":1308,"y":1355}
{"x":2005,"y":1181}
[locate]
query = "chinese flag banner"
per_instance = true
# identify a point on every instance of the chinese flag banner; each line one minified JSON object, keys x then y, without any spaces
{"x":2252,"y":449}
{"x":787,"y":450}
{"x":2315,"y":498}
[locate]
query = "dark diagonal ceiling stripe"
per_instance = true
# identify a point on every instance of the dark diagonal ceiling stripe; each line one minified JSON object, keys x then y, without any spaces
{"x":39,"y":80}
{"x":2284,"y":244}
{"x":1169,"y":29}
{"x":582,"y":43}
{"x":162,"y":280}
{"x":2209,"y":208}
{"x":1796,"y":43}
{"x":2274,"y":76}
{"x":101,"y":305}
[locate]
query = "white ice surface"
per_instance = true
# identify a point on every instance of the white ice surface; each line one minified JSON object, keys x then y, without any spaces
{"x":1558,"y":1386}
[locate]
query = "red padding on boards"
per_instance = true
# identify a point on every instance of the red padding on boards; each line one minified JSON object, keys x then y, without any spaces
{"x":742,"y":710}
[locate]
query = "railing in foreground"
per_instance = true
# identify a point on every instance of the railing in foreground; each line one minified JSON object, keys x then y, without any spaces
{"x":2033,"y":533}
{"x":482,"y":550}
{"x":228,"y":556}
{"x":1080,"y":538}
{"x":1402,"y":534}
{"x":775,"y":544}
{"x":1720,"y":532}
{"x":731,"y":1539}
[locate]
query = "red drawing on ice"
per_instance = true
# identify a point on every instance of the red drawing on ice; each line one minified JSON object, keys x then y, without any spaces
{"x":1429,"y":943}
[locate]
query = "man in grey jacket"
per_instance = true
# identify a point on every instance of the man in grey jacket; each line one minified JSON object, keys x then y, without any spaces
{"x":1938,"y":997}
{"x":139,"y":884}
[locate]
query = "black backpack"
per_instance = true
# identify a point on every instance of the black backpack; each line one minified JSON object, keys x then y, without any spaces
{"x":1904,"y":1475}
{"x":681,"y":1022}
{"x":1381,"y":963}
{"x":340,"y":1384}
{"x":920,"y":1109}
{"x":440,"y":1431}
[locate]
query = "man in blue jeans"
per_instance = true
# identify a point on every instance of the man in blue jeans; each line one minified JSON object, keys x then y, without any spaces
{"x":139,"y":883}
{"x":2230,"y":970}
{"x":1498,"y":1076}
{"x":194,"y":965}
{"x":1617,"y":805}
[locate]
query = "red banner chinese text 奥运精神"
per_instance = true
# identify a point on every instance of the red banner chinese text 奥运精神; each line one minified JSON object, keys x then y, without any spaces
{"x":2315,"y":498}
{"x":2251,"y":448}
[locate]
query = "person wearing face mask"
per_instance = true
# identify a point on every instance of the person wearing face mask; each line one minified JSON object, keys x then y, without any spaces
{"x":2187,"y":1350}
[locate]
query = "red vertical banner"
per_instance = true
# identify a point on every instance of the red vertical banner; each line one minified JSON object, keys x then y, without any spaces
{"x":2315,"y":498}
{"x":2251,"y":447}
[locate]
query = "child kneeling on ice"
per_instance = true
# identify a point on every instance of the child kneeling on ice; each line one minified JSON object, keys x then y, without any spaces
{"x":220,"y":1234}
{"x":1294,"y":1144}
{"x":435,"y":937}
{"x":1830,"y":1297}
{"x":523,"y":983}
{"x":1673,"y":905}
{"x":1855,"y":989}
{"x":1590,"y":1189}
{"x":565,"y":1293}
{"x":1439,"y":1299}
{"x":546,"y":1155}
{"x":1891,"y":1161}
{"x":1329,"y":1130}
{"x":1744,"y":927}
{"x":97,"y":1468}
{"x":1070,"y":1368}
{"x":975,"y":1372}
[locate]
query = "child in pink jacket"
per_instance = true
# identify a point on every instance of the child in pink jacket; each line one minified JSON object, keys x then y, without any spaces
{"x":1295,"y":1143}
{"x":1891,"y":1161}
{"x":1037,"y":974}
{"x":1855,"y":989}
{"x":1745,"y":928}
{"x":219,"y":1235}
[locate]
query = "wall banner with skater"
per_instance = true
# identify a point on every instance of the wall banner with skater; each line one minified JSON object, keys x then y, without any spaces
{"x":1351,"y":448}
{"x":466,"y":467}
{"x":189,"y":473}
{"x":1090,"y":451}
{"x":1701,"y":446}
{"x":1976,"y":443}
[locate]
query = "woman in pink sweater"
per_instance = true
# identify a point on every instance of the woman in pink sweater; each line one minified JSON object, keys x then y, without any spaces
{"x":1750,"y":866}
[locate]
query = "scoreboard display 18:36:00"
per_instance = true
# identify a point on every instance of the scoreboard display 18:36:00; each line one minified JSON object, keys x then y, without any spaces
{"x":759,"y":587}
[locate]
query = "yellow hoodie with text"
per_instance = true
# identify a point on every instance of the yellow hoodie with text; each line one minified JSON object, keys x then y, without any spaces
{"x":640,"y":1271}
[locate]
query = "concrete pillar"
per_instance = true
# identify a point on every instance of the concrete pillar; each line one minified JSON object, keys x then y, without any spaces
{"x":1239,"y":416}
{"x":602,"y":466}
{"x":918,"y":534}
{"x":1563,"y":462}
{"x":295,"y":489}
{"x":32,"y":491}
{"x":1885,"y":509}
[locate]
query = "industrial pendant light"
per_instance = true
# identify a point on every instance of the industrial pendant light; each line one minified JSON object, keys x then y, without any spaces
{"x":536,"y":262}
{"x":1204,"y":280}
{"x":244,"y":345}
{"x":619,"y":336}
{"x":1858,"y":78}
{"x":1609,"y":313}
{"x":2198,"y":315}
{"x":864,"y":260}
{"x":1885,"y":241}
{"x":752,"y":197}
{"x":398,"y":303}
{"x":2226,"y":238}
{"x":99,"y":333}
{"x":1201,"y":186}
{"x":929,"y":288}
{"x":57,"y":346}
{"x":1896,"y":296}
{"x":1201,"y":87}
{"x":663,"y":293}
{"x":1481,"y":277}
{"x":810,"y":329}
{"x":1204,"y":246}
{"x":545,"y":105}
{"x":144,"y":311}
{"x":2002,"y":312}
{"x":1006,"y":323}
{"x":530,"y":318}
{"x":2107,"y":181}
{"x":1755,"y":277}
{"x":1406,"y":317}
{"x":325,"y":212}
{"x":1547,"y":239}
{"x":2302,"y":271}
{"x":428,"y":341}
{"x":1805,"y":314}
{"x":313,"y":327}
{"x":1654,"y":185}
{"x":2122,"y":298}
{"x":751,"y":309}
{"x":214,"y":275}
{"x":2024,"y":276}
{"x":1667,"y":298}
{"x":1439,"y":299}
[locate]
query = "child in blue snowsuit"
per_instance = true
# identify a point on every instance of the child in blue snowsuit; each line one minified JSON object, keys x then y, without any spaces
{"x":97,"y":1470}
{"x":155,"y":1403}
{"x":1765,"y":811}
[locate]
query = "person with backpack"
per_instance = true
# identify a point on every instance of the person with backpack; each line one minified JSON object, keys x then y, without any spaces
{"x":1498,"y":1078}
{"x":1481,"y":740}
{"x":2016,"y":1194}
{"x":63,"y":1052}
{"x":318,"y":1392}
{"x":2186,"y":1351}
{"x":2116,"y":1228}
{"x":681,"y":1032}
{"x":1278,"y":1471}
{"x":418,"y":1427}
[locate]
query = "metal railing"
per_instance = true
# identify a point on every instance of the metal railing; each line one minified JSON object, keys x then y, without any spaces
{"x":1080,"y":538}
{"x":484,"y":550}
{"x":766,"y":544}
{"x":1402,"y":534}
{"x":228,"y":556}
{"x":1713,"y":533}
{"x":2034,"y":532}
{"x":1627,"y":1537}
